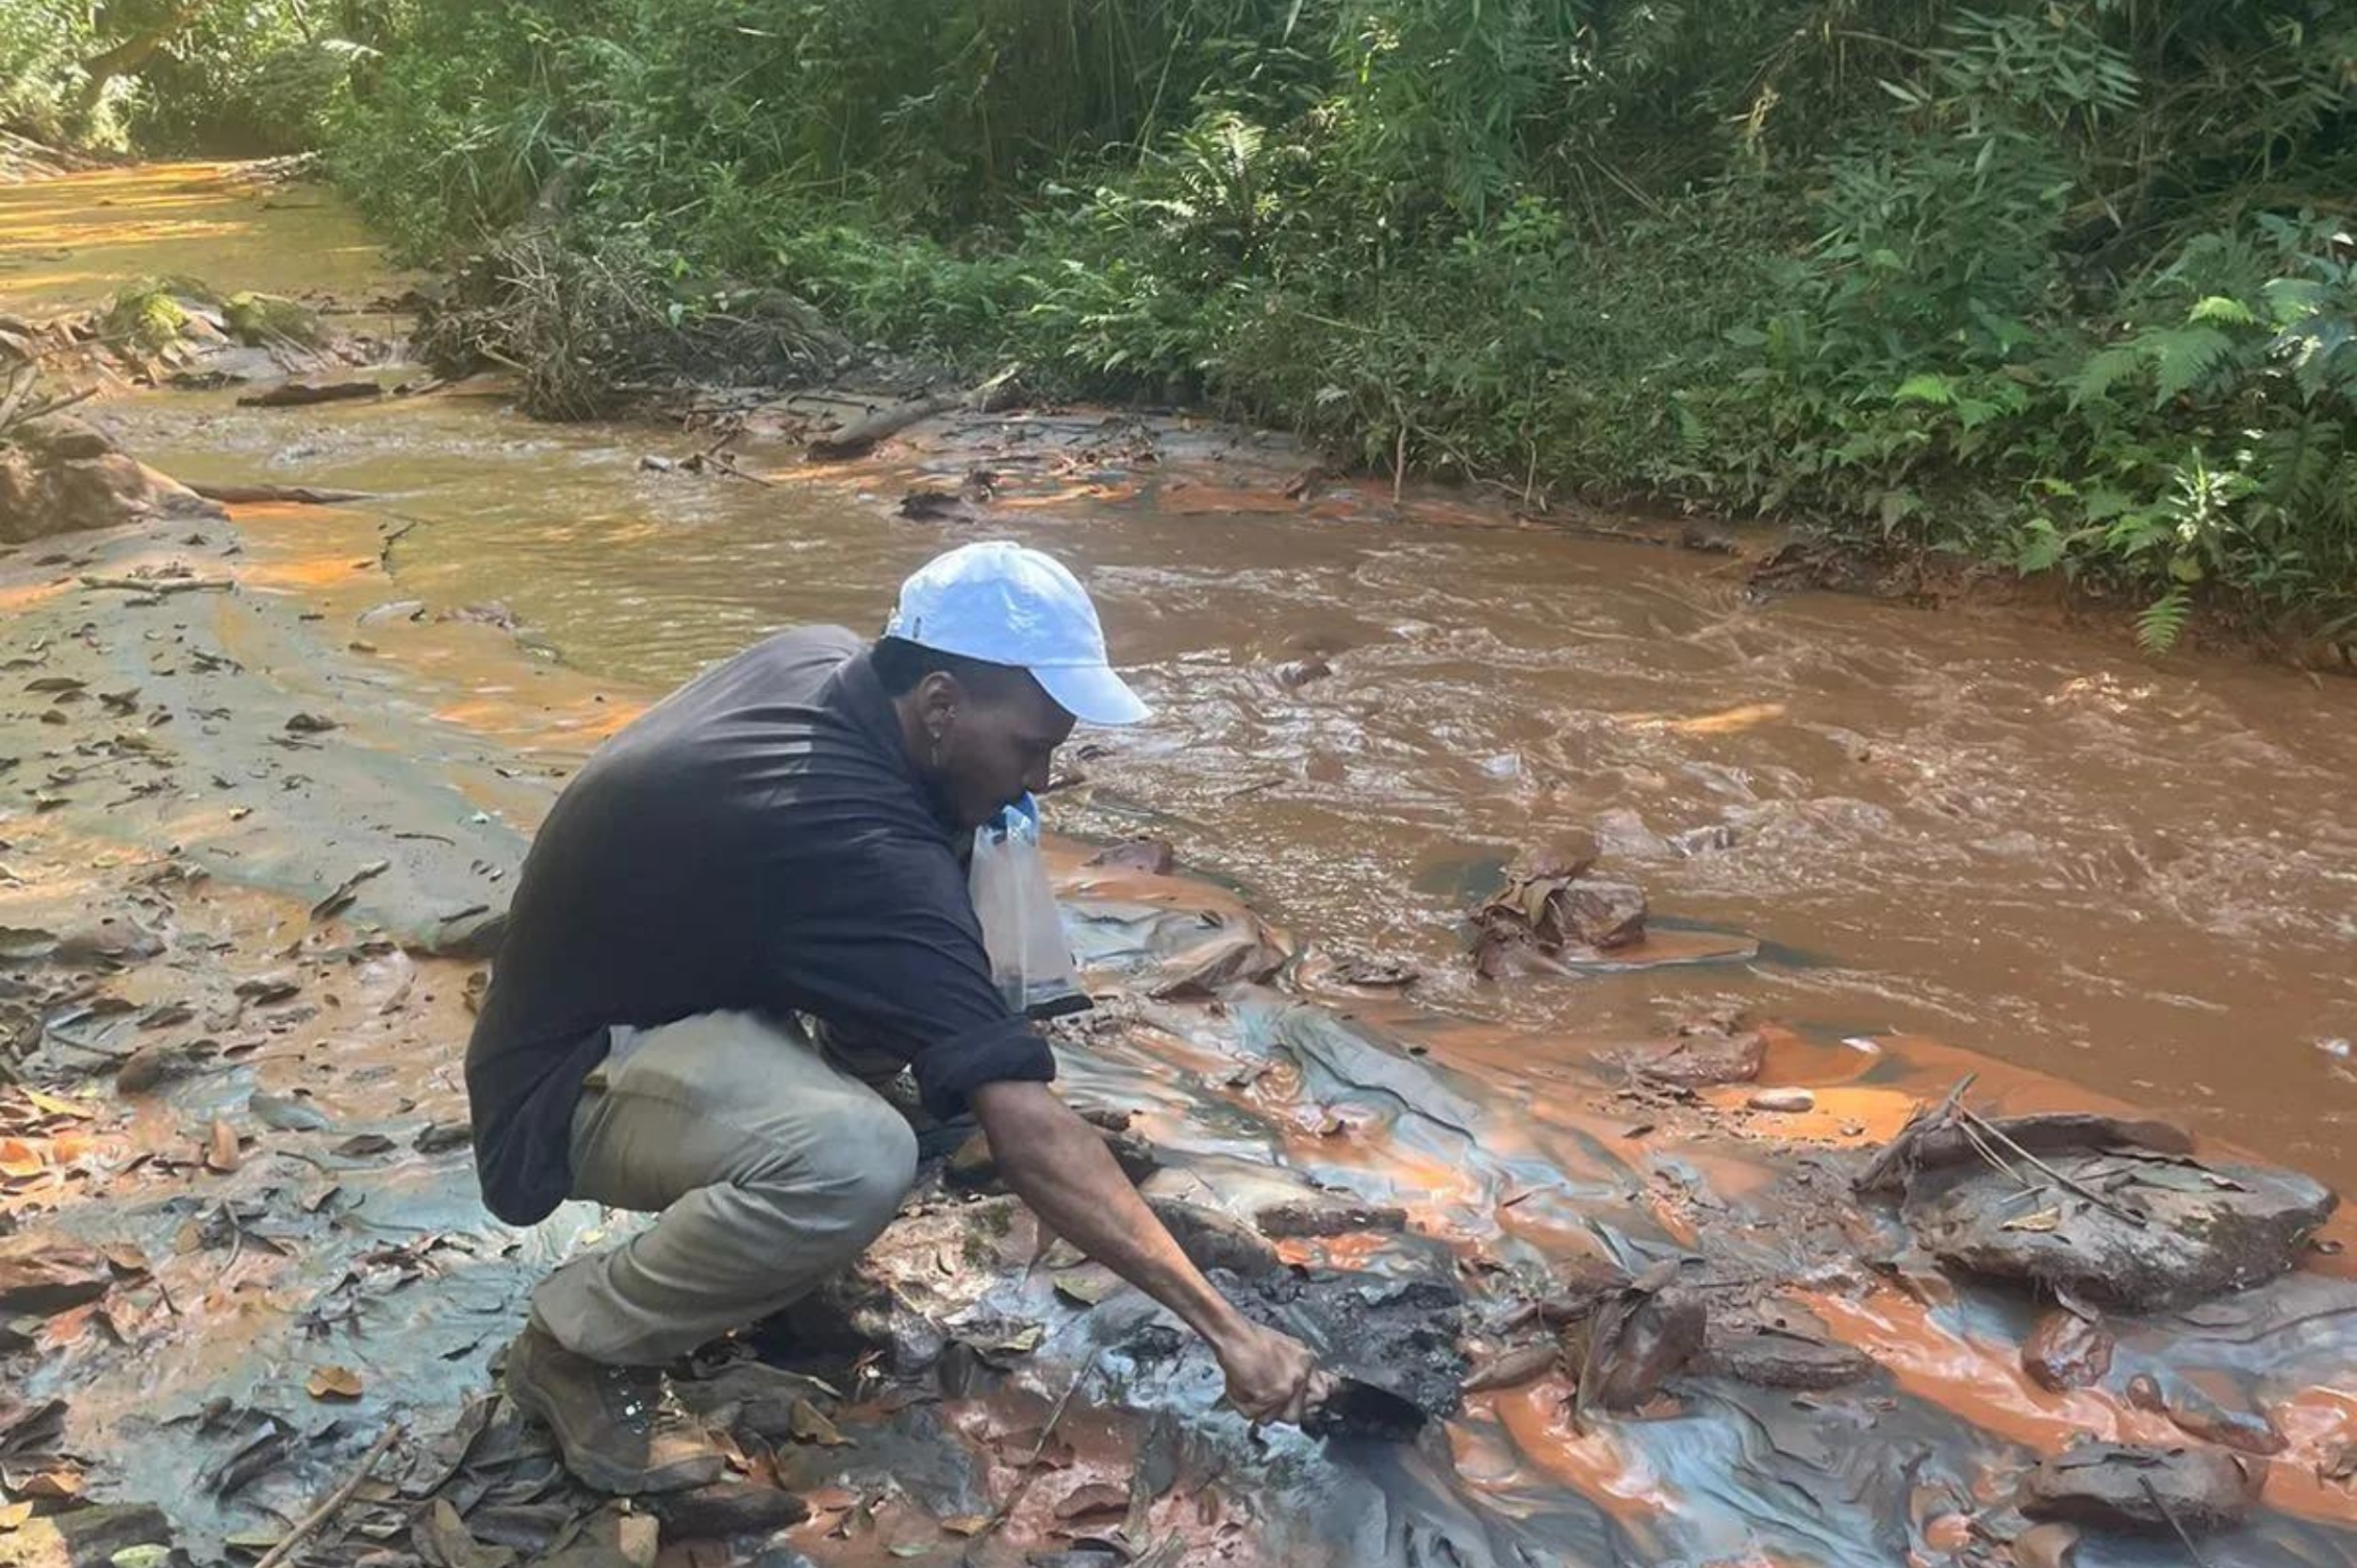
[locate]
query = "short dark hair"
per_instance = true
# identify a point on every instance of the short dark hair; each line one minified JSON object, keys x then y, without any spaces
{"x":901,"y":664}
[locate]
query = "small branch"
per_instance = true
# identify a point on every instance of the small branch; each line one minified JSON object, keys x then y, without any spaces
{"x":155,"y":585}
{"x":2170,"y":1514}
{"x":302,"y":495}
{"x":333,"y":1503}
{"x":1973,"y":1119}
{"x":1030,"y":1466}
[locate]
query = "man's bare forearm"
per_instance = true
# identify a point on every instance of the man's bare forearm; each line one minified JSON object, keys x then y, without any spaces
{"x":1059,"y":1165}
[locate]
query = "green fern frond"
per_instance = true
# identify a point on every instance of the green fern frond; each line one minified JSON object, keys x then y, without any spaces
{"x":2222,"y":309}
{"x":2181,"y":356}
{"x":2163,"y":621}
{"x":2102,"y":372}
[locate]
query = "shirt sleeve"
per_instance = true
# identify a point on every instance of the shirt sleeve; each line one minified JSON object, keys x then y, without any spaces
{"x":882,"y":942}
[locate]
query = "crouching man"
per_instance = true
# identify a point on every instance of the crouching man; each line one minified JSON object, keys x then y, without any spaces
{"x":785,"y":839}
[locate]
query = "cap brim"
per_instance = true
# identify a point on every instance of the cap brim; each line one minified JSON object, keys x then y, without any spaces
{"x":1091,"y":694}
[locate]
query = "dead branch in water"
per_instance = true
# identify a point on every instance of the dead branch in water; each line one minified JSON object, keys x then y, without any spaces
{"x":257,"y":495}
{"x":862,"y":436}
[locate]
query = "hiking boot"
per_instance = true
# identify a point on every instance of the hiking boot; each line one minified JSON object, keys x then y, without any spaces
{"x":620,"y":1428}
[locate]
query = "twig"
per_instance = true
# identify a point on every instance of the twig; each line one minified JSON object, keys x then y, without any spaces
{"x":1030,"y":1466}
{"x":2150,"y":1490}
{"x":1974,"y":1119}
{"x":159,"y":585}
{"x":333,"y":1503}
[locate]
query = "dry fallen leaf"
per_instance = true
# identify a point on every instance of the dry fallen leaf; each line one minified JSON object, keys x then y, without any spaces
{"x":52,"y":1485}
{"x":334,"y":1382}
{"x":220,"y":1151}
{"x":808,"y":1423}
{"x":966,"y":1523}
{"x":13,"y":1515}
{"x":57,"y":1106}
{"x":125,"y":1259}
{"x":2046,"y":1219}
{"x":19,"y":1158}
{"x":1081,"y":1290}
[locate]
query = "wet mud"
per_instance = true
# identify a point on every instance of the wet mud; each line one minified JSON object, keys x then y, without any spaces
{"x":260,"y":805}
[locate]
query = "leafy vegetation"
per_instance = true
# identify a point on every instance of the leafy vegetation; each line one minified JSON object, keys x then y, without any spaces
{"x":174,"y":76}
{"x":2062,"y":285}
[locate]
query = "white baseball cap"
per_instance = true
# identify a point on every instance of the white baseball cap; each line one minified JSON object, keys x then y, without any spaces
{"x":1005,"y":604}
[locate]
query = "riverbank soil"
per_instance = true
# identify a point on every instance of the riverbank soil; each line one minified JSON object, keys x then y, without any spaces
{"x":1969,"y":951}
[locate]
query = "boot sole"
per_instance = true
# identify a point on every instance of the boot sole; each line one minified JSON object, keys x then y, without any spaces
{"x":600,"y":1475}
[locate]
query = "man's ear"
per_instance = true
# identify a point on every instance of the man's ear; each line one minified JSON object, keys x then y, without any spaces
{"x":938,"y":697}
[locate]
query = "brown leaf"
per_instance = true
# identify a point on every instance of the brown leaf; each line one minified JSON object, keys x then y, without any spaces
{"x":13,"y":1515}
{"x":362,"y":1144}
{"x":1513,"y":1368}
{"x":125,"y":1259}
{"x":19,"y":1158}
{"x":61,"y":1485}
{"x":222,"y":1154}
{"x":57,"y":1106}
{"x":334,"y":1382}
{"x":1093,"y":1498}
{"x":442,"y":1539}
{"x":966,"y":1523}
{"x":810,"y":1424}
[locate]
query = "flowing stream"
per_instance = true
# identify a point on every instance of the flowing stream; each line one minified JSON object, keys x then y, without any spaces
{"x":1853,"y":818}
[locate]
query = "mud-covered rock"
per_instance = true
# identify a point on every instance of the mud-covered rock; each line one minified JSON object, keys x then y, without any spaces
{"x":2067,"y":1350}
{"x":2104,"y":1209}
{"x":2198,"y":1230}
{"x":1393,"y":1342}
{"x":58,"y":476}
{"x":1603,"y":914}
{"x":1238,"y":955}
{"x":1934,"y":1141}
{"x":2249,"y":1431}
{"x":1769,"y":1357}
{"x":2117,"y":1486}
{"x":1707,"y":1051}
{"x":1211,"y":1240}
{"x":1291,"y":1220}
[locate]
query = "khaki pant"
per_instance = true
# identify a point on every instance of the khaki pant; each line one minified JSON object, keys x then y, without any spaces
{"x":771,"y":1168}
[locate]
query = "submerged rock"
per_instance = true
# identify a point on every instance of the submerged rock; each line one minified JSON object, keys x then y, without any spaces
{"x":2066,"y":1350}
{"x":2119,"y":1486}
{"x":1707,"y":1051}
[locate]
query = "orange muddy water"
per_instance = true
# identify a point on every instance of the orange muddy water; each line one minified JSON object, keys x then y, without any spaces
{"x":1922,"y":843}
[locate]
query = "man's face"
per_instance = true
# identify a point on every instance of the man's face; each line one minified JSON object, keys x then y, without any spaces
{"x":994,"y":749}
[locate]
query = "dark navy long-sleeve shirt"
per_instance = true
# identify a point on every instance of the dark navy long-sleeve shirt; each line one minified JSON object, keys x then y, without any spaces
{"x":758,"y":841}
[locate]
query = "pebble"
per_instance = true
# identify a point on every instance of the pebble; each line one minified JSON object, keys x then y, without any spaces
{"x":1783,"y":1100}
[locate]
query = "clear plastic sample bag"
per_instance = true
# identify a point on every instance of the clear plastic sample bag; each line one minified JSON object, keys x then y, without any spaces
{"x":1021,"y":927}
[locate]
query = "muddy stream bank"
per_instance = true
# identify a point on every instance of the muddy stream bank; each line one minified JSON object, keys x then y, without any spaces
{"x":1905,"y":846}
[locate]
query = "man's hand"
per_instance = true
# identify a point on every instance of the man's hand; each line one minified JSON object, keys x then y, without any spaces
{"x":1272,"y":1376}
{"x":1057,"y":1164}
